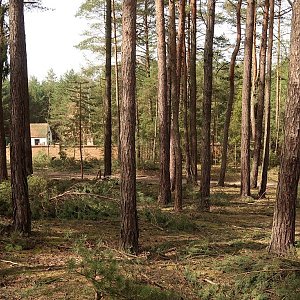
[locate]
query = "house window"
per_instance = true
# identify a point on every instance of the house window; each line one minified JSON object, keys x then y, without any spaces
{"x":36,"y":142}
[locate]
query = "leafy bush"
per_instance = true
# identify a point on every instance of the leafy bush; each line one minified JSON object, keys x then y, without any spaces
{"x":5,"y":199}
{"x":64,"y":199}
{"x":39,"y":194}
{"x":81,"y":200}
{"x":148,"y":165}
{"x":41,"y":160}
{"x":274,"y":159}
{"x":84,"y":208}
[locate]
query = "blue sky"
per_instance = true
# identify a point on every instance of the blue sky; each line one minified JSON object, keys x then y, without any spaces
{"x":51,"y":36}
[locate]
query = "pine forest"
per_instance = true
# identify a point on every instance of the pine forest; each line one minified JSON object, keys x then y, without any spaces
{"x":167,"y":167}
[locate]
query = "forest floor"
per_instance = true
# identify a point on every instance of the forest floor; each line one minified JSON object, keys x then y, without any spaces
{"x":189,"y":255}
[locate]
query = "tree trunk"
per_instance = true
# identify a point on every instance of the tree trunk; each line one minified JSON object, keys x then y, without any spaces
{"x":19,"y":96}
{"x":175,"y":106}
{"x":116,"y":73}
{"x":266,"y":153}
{"x":254,"y":81}
{"x":278,"y":79}
{"x":231,"y":95}
{"x":172,"y":84}
{"x":283,"y":230}
{"x":173,"y":87}
{"x":206,"y":108}
{"x":129,"y":221}
{"x":185,"y":101}
{"x":246,"y":96}
{"x":80,"y":130}
{"x":3,"y":54}
{"x":193,"y":92}
{"x":260,"y":97}
{"x":164,"y":196}
{"x":138,"y":135}
{"x":108,"y":117}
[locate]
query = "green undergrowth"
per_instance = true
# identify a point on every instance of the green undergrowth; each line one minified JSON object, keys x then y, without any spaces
{"x":64,"y":163}
{"x":246,"y":277}
{"x":114,"y":277}
{"x":66,"y":199}
{"x":168,"y":220}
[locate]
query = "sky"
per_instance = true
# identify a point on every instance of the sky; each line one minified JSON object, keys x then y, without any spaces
{"x":51,"y":36}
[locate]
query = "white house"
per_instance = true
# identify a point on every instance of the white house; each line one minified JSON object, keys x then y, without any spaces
{"x":40,"y":134}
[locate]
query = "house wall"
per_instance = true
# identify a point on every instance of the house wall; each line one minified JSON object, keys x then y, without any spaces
{"x":53,"y":151}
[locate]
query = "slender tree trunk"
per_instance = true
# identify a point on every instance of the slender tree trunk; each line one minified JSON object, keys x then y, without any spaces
{"x":173,"y":88}
{"x":129,"y":221}
{"x":176,"y":105}
{"x":260,"y":98}
{"x":231,"y":95}
{"x":187,"y":112}
{"x":186,"y":119}
{"x":138,"y":135}
{"x":3,"y":50}
{"x":254,"y":82}
{"x":147,"y":48}
{"x":108,"y":117}
{"x":278,"y":80}
{"x":80,"y":130}
{"x":19,"y":94}
{"x":206,"y":108}
{"x":116,"y":73}
{"x":246,"y":96}
{"x":266,"y":153}
{"x":193,"y":92}
{"x":283,"y":230}
{"x":155,"y":133}
{"x":164,"y":196}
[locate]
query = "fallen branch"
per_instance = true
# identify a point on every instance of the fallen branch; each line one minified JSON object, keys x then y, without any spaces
{"x":70,"y":194}
{"x":209,"y":281}
{"x":11,"y":262}
{"x":148,"y":280}
{"x":265,"y":271}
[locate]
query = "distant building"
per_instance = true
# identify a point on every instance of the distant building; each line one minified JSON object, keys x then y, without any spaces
{"x":40,"y":134}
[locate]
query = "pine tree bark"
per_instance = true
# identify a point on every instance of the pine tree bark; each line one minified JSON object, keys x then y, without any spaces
{"x":173,"y":88}
{"x":116,"y":73}
{"x":3,"y":54}
{"x":21,"y":40}
{"x":185,"y":100}
{"x":108,"y":116}
{"x":176,"y":101}
{"x":19,"y":94}
{"x":266,"y":153}
{"x":206,"y":108}
{"x":278,"y":79}
{"x":231,"y":95}
{"x":246,"y":96}
{"x":193,"y":93}
{"x":254,"y":81}
{"x":283,"y":230}
{"x":163,"y":107}
{"x":129,"y":221}
{"x":260,"y":97}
